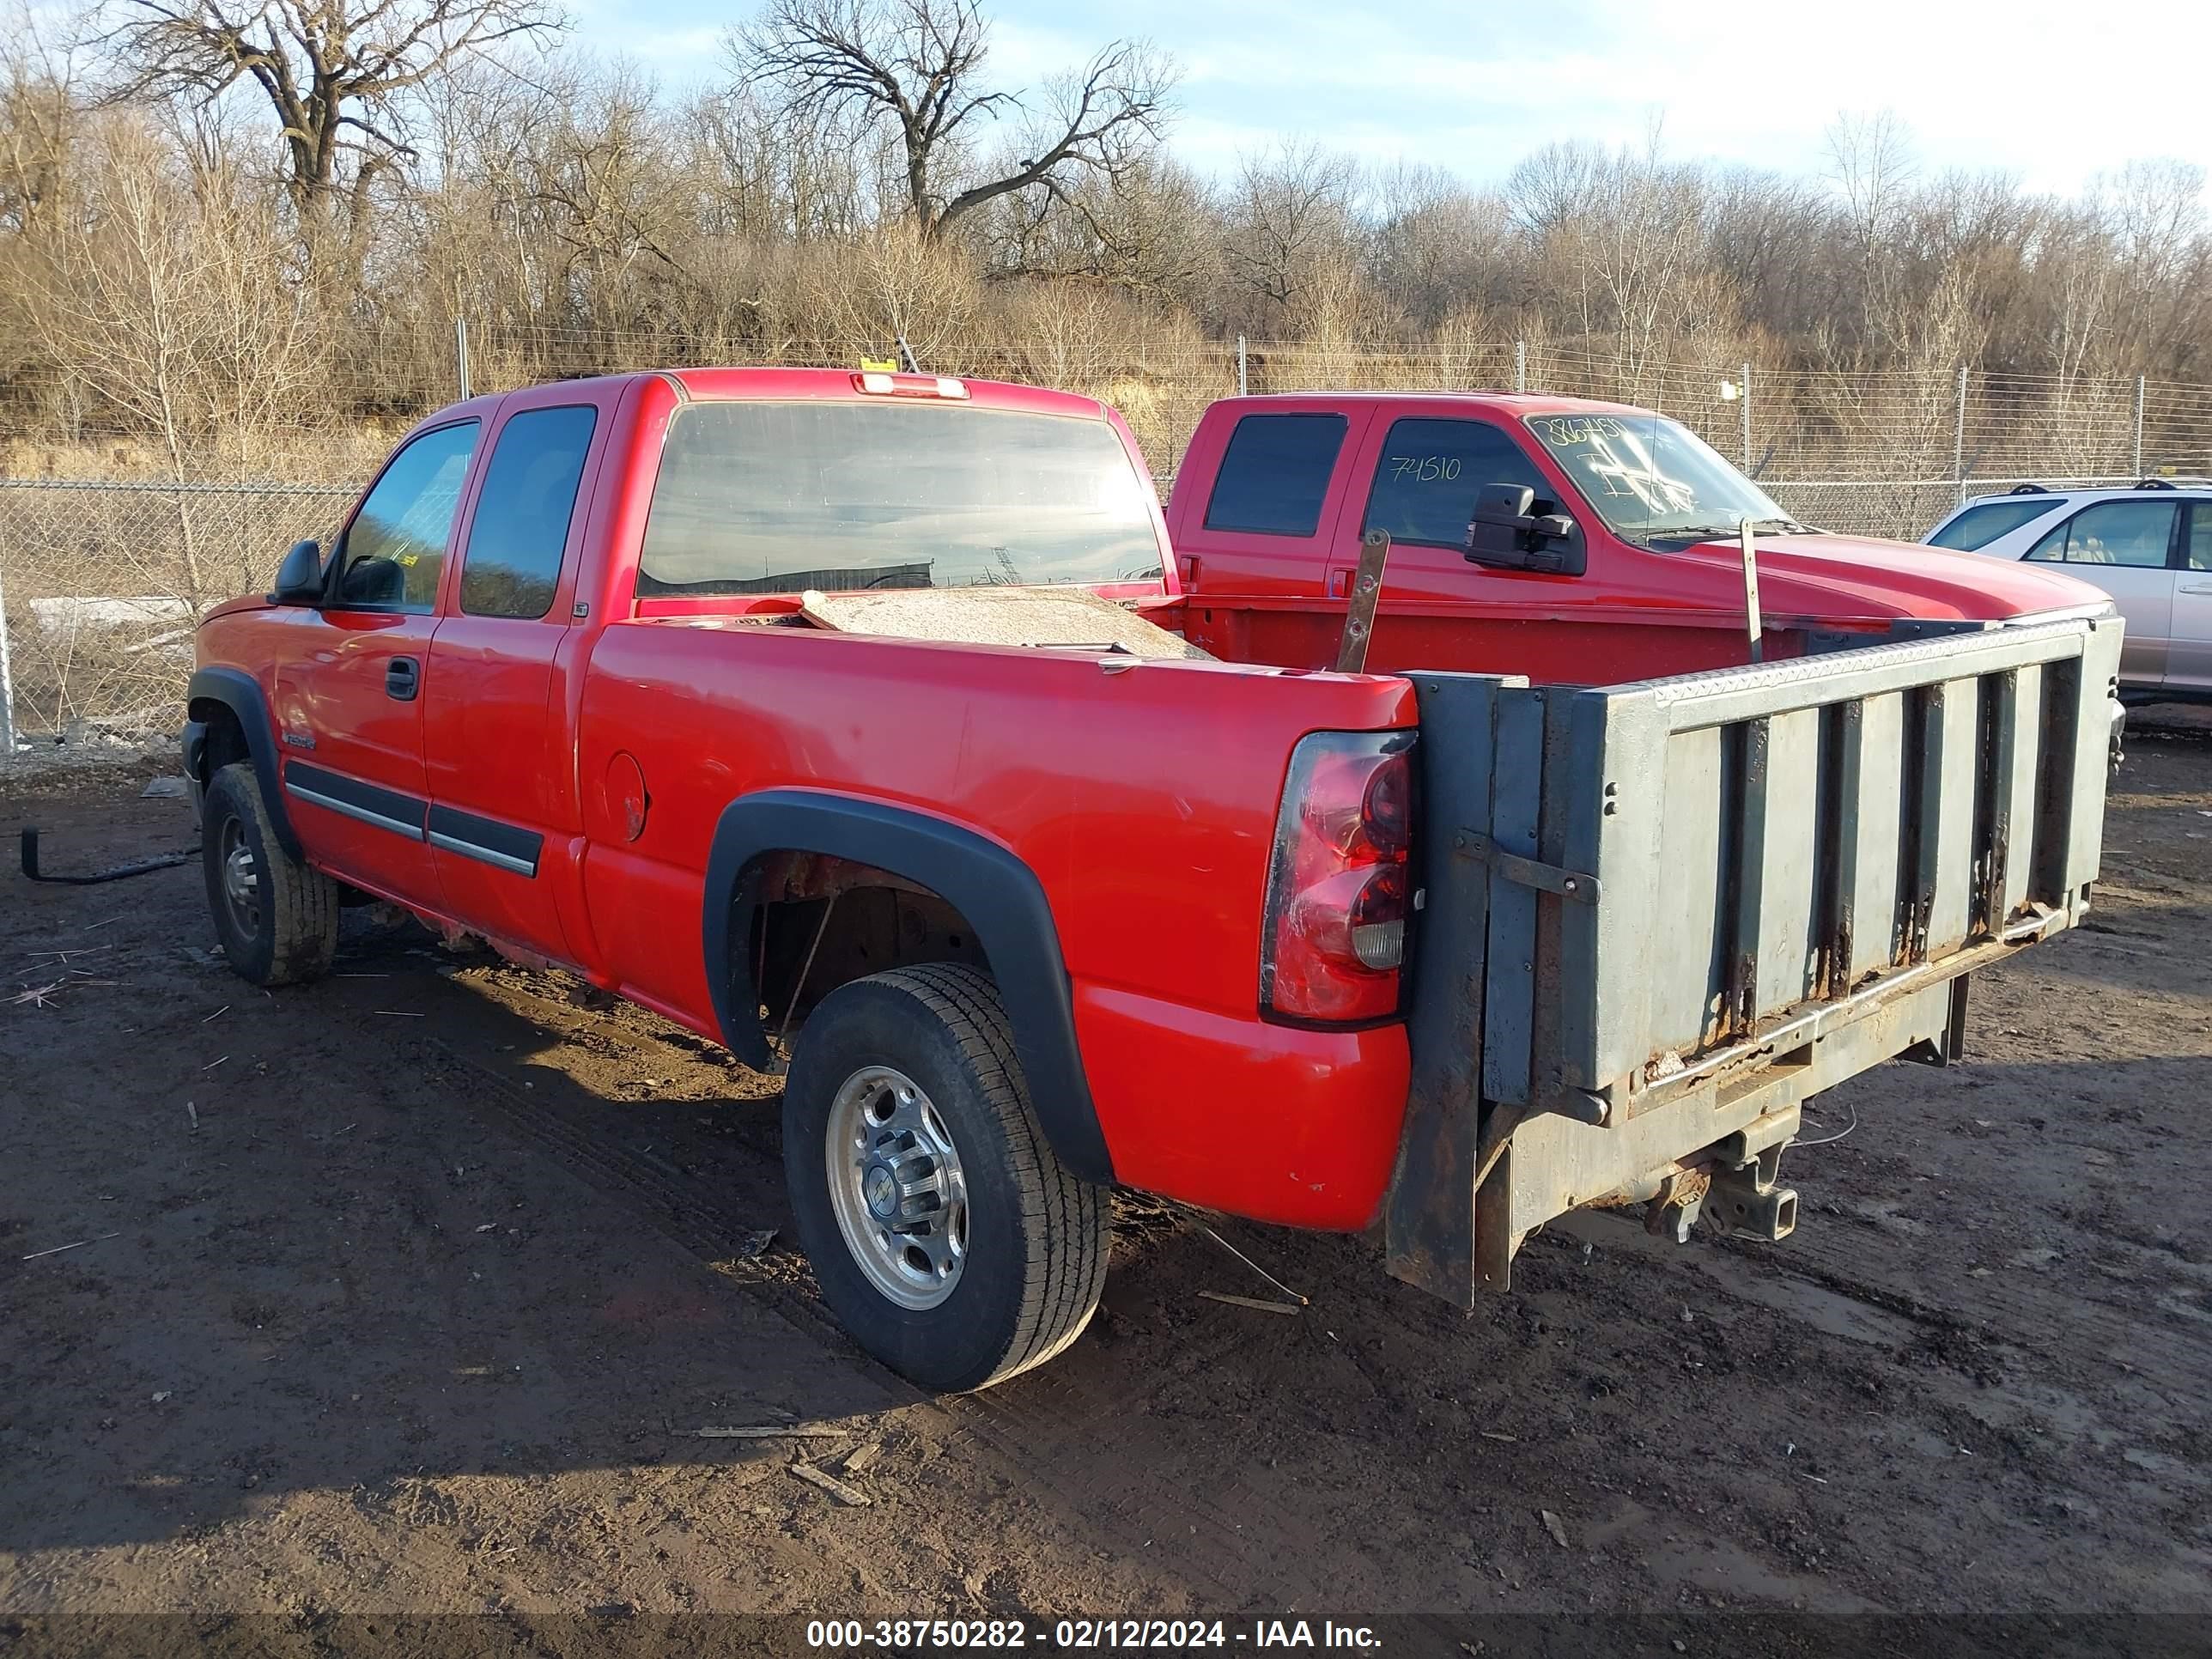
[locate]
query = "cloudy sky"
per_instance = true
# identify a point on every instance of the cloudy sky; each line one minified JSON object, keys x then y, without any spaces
{"x":2054,"y":92}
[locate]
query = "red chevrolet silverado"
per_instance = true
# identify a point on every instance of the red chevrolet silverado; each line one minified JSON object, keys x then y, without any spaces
{"x":1274,"y":494}
{"x":1025,"y":920}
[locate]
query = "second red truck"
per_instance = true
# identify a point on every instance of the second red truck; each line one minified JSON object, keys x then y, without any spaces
{"x":1274,"y":494}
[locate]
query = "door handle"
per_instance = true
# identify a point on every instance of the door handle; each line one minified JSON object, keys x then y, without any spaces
{"x":2197,"y":587}
{"x":402,"y":679}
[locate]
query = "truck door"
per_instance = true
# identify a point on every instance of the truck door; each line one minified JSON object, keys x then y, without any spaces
{"x":497,"y":741}
{"x":2189,"y":659}
{"x":349,"y":699}
{"x":1417,"y":477}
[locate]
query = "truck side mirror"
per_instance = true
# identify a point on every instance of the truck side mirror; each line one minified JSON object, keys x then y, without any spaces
{"x":1509,"y":534}
{"x":299,"y":576}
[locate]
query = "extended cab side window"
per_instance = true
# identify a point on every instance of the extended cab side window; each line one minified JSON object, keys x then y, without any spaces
{"x":1274,"y":475}
{"x":2135,"y":533}
{"x":1430,"y":472}
{"x":395,"y":546}
{"x":521,"y":526}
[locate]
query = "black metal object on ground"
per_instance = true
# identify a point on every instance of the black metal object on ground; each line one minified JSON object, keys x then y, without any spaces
{"x":139,"y":867}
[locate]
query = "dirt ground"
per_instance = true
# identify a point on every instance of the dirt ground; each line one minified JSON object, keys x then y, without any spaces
{"x":409,"y":1292}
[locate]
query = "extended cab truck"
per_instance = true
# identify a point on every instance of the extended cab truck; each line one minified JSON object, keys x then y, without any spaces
{"x":1309,"y":947}
{"x":1274,"y":494}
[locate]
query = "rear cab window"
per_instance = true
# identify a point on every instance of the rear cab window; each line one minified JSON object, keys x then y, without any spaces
{"x":1983,"y":522}
{"x":781,"y":497}
{"x":1274,"y":475}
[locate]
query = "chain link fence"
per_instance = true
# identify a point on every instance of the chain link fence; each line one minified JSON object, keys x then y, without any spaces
{"x":100,"y":581}
{"x":100,"y":584}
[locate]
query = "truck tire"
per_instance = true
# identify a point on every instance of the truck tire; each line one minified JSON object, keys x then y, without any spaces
{"x":945,"y":1232}
{"x":277,"y":918}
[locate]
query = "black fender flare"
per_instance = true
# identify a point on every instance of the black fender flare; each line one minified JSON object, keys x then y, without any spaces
{"x":1000,"y":896}
{"x":238,"y":691}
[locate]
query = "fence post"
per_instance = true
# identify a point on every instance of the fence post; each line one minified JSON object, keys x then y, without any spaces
{"x":7,"y":680}
{"x":1743,"y":393}
{"x":1519,"y":365}
{"x":1958,"y":442}
{"x":461,"y":355}
{"x":2139,"y":414}
{"x":1243,"y":386}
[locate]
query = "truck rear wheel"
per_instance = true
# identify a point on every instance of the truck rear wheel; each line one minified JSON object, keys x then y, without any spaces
{"x":943,"y":1230}
{"x":277,"y":918}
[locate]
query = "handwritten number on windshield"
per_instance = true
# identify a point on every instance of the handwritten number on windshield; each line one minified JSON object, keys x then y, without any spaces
{"x":1562,"y":430}
{"x":1424,"y":469}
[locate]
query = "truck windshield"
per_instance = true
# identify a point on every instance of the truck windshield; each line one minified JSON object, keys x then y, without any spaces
{"x":1653,"y":479}
{"x":779,"y":497}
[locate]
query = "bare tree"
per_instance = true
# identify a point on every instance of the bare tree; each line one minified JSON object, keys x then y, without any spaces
{"x":1434,"y":246}
{"x":40,"y":114}
{"x":1621,"y":237}
{"x":1148,"y":229}
{"x":1289,"y":215}
{"x":331,"y":70}
{"x":1871,"y":164}
{"x":918,"y":67}
{"x":167,"y":300}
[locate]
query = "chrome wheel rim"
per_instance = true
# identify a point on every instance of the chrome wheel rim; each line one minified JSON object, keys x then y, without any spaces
{"x":896,"y":1187}
{"x":241,"y":881}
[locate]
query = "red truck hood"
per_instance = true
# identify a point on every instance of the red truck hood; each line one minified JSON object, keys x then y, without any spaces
{"x":1843,"y":578}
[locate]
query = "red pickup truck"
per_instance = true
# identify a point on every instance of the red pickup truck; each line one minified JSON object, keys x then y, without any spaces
{"x":1274,"y":494}
{"x":1028,"y":919}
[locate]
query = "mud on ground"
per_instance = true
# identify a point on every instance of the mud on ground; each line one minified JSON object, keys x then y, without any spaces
{"x":409,"y":1291}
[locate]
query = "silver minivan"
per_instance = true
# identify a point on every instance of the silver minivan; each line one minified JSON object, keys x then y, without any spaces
{"x":2149,"y":546}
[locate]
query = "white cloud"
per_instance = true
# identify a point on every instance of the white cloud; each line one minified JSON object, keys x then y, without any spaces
{"x":2053,"y":91}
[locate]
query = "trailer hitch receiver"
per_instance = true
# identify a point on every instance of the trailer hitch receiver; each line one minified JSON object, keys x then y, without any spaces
{"x":1750,"y":1202}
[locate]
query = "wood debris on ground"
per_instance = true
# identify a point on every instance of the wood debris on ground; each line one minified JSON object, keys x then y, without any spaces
{"x":1251,"y":1302}
{"x":78,"y":1245}
{"x":1297,"y":1296}
{"x":775,"y":1432}
{"x":852,"y":1496}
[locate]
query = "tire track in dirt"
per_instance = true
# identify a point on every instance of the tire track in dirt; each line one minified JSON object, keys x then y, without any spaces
{"x":2174,"y":1353}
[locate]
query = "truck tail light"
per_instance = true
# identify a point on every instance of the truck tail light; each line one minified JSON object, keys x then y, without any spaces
{"x":1339,"y":888}
{"x":876,"y":382}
